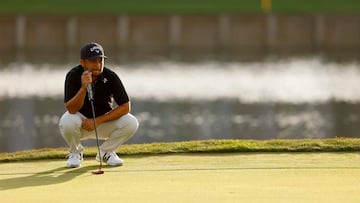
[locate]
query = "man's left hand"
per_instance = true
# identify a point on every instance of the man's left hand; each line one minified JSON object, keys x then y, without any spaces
{"x":88,"y":124}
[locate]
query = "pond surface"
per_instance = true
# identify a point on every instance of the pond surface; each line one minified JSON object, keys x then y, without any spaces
{"x":180,"y":101}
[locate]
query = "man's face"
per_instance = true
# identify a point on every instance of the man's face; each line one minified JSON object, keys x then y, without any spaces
{"x":94,"y":66}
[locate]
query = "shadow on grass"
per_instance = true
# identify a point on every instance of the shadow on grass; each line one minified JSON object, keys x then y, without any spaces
{"x":50,"y":177}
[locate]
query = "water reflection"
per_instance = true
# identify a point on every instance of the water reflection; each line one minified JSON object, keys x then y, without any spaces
{"x":32,"y":122}
{"x":176,"y":101}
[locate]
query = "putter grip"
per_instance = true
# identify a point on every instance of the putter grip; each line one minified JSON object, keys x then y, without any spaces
{"x":89,"y":89}
{"x":90,"y":92}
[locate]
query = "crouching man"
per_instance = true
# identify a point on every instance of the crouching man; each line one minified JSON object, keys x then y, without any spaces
{"x":114,"y":123}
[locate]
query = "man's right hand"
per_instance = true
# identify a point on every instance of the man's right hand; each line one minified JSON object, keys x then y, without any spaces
{"x":86,"y":78}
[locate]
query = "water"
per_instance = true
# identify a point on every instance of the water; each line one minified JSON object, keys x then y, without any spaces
{"x":178,"y":101}
{"x":288,"y":81}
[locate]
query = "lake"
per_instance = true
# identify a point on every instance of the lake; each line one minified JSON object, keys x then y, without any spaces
{"x":292,"y":98}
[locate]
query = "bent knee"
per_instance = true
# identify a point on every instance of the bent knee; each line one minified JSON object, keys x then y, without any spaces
{"x":130,"y":121}
{"x":70,"y":121}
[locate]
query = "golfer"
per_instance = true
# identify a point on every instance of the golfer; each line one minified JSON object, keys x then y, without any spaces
{"x":114,"y":123}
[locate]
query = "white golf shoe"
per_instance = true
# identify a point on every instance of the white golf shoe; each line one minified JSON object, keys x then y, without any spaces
{"x":110,"y":158}
{"x":74,"y":160}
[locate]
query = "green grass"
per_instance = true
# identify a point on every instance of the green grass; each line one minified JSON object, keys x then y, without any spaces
{"x":316,"y":6}
{"x":191,"y":178}
{"x":174,"y":6}
{"x":205,"y":146}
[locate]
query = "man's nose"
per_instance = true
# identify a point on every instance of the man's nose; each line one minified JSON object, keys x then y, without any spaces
{"x":99,"y":62}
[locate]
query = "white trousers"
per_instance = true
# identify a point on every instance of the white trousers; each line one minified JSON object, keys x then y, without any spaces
{"x":114,"y":132}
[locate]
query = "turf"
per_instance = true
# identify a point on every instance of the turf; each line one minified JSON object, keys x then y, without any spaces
{"x":174,"y":6}
{"x":230,"y":177}
{"x":203,"y":146}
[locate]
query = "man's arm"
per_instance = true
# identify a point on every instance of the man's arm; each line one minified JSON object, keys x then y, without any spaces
{"x":88,"y":124}
{"x":114,"y":114}
{"x":75,"y":103}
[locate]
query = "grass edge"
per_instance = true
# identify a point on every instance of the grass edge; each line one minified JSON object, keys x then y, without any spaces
{"x":200,"y":146}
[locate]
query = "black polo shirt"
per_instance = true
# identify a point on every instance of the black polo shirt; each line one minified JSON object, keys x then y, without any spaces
{"x":107,"y":88}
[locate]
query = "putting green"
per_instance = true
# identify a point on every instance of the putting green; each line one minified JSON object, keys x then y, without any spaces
{"x":253,"y":177}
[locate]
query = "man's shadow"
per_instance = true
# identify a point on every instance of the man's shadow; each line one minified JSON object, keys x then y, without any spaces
{"x":50,"y":177}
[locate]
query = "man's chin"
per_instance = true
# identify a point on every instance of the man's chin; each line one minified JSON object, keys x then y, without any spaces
{"x":96,"y":73}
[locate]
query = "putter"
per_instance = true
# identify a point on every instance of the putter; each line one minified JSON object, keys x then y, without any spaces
{"x":97,"y":140}
{"x":91,"y":99}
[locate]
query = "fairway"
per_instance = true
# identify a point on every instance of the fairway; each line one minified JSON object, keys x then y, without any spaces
{"x":228,"y":177}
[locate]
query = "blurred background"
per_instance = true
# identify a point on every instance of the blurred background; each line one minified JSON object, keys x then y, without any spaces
{"x":200,"y":69}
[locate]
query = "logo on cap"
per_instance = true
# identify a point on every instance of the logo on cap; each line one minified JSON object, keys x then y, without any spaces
{"x":96,"y":49}
{"x":92,"y":51}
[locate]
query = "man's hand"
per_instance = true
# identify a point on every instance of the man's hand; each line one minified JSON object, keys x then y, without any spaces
{"x":88,"y":124}
{"x":86,"y":78}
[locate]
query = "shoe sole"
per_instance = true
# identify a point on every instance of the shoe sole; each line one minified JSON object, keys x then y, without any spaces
{"x":73,"y":166}
{"x":115,"y":164}
{"x":98,"y":160}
